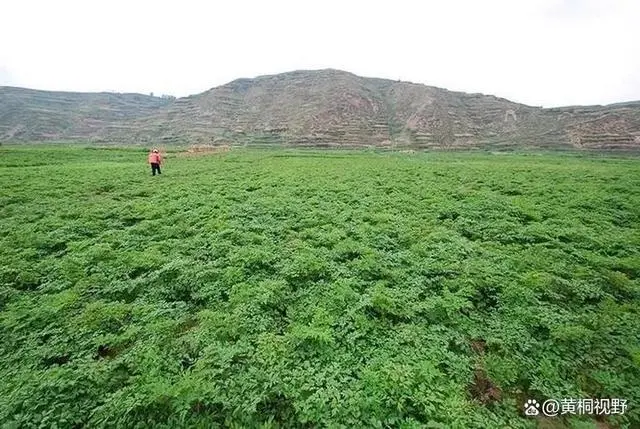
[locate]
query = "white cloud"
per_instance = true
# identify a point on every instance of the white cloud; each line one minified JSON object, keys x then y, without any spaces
{"x":546,"y":52}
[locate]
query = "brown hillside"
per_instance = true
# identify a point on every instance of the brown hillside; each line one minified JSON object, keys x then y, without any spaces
{"x":31,"y":115}
{"x":325,"y":108}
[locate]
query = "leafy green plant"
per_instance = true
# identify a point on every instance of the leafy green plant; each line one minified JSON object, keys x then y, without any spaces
{"x":315,"y":289}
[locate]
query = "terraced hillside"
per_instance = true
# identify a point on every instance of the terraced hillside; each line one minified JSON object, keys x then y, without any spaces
{"x":321,"y":108}
{"x":615,"y":126}
{"x":28,"y":114}
{"x":332,"y":108}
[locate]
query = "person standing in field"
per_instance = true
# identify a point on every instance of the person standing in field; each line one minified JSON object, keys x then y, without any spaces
{"x":155,"y":160}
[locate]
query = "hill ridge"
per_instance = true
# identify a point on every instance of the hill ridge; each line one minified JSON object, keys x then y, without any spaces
{"x":320,"y":108}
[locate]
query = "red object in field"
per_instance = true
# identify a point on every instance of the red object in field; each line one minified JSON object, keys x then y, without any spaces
{"x":155,"y":158}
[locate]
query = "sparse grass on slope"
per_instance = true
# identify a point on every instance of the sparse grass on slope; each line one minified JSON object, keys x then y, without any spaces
{"x":314,"y":289}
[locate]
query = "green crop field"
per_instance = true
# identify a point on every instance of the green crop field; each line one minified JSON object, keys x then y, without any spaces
{"x":316,"y":289}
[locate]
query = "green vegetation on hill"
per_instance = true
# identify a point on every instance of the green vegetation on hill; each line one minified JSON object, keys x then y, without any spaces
{"x":315,"y":289}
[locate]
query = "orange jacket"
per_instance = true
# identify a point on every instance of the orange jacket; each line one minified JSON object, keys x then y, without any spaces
{"x":155,"y":158}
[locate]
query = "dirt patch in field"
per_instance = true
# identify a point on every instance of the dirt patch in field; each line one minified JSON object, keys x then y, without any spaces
{"x":483,"y":389}
{"x":478,"y":346}
{"x":204,"y":149}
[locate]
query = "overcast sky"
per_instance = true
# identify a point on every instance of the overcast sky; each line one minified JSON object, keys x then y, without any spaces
{"x":538,"y":52}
